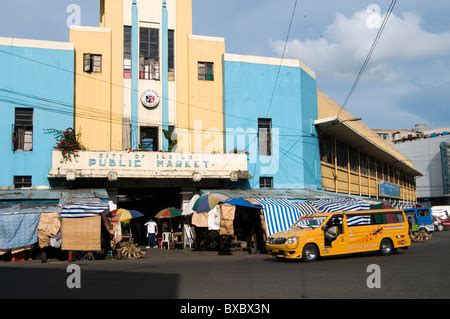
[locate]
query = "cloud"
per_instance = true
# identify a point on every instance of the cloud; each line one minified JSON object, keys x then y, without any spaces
{"x":342,"y":48}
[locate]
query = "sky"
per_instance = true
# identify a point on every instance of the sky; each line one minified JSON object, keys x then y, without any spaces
{"x":406,"y":82}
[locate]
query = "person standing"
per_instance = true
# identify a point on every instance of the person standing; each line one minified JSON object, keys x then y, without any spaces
{"x":152,"y":231}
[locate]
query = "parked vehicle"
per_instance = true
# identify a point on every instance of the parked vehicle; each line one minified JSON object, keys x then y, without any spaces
{"x":421,"y":217}
{"x":441,"y":212}
{"x":330,"y":234}
{"x":441,"y":224}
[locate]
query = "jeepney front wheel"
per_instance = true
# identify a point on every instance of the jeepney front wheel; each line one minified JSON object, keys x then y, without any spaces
{"x":310,"y":253}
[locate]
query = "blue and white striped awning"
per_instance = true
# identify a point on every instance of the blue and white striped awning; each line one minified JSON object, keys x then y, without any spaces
{"x":78,"y":210}
{"x":336,"y":204}
{"x":280,"y":214}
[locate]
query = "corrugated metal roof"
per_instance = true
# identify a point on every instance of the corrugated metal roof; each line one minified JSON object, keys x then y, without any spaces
{"x":50,"y":194}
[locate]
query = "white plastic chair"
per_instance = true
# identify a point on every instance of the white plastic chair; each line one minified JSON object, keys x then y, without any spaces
{"x":166,"y":239}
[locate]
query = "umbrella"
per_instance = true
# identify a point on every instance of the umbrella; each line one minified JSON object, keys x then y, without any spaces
{"x":208,"y":201}
{"x":169,"y":213}
{"x":124,"y":214}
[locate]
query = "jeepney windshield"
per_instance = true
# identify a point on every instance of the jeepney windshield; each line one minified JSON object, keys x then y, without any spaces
{"x":309,"y":221}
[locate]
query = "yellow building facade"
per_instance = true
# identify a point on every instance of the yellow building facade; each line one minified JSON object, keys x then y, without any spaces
{"x":356,"y":161}
{"x":144,"y":50}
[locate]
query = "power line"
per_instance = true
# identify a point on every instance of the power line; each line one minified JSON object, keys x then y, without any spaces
{"x":139,"y":92}
{"x":282,"y":57}
{"x":369,"y":55}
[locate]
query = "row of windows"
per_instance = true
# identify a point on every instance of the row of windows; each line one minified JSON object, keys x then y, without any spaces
{"x":375,"y":219}
{"x":347,"y":156}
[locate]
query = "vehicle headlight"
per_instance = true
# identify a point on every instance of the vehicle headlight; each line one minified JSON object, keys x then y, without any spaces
{"x":292,"y":240}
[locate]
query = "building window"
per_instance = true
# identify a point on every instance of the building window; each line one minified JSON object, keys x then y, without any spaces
{"x":23,"y":129}
{"x":266,"y":182}
{"x":171,"y":55}
{"x":127,"y":31}
{"x":372,"y":167}
{"x":206,"y":71}
{"x":385,"y":172}
{"x":22,"y":182}
{"x":265,"y":136}
{"x":92,"y":63}
{"x":149,"y":138}
{"x":149,"y":54}
{"x":341,"y":154}
{"x":379,"y":170}
{"x":326,"y":149}
{"x":354,"y":159}
{"x":364,"y":163}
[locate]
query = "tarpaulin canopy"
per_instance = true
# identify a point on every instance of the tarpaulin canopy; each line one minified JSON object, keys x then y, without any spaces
{"x":84,"y":209}
{"x":18,"y":230}
{"x":241,"y":202}
{"x":280,"y":214}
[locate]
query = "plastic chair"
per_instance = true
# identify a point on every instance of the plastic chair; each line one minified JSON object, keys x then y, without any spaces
{"x":166,"y":239}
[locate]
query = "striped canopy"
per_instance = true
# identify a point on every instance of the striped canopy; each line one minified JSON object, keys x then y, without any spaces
{"x":280,"y":214}
{"x":337,"y":204}
{"x":78,"y":210}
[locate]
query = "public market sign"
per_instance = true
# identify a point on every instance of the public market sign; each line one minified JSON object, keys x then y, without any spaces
{"x":149,"y":165}
{"x":150,"y":99}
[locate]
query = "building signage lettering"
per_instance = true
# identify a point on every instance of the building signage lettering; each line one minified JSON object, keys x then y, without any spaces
{"x":160,"y":161}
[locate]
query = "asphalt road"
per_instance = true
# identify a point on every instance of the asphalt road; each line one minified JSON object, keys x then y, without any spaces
{"x":421,"y":272}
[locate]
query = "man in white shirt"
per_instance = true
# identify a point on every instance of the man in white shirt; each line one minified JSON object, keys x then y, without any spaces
{"x":152,"y":231}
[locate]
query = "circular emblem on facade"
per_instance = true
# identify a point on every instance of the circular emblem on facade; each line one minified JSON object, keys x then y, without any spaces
{"x":150,"y":99}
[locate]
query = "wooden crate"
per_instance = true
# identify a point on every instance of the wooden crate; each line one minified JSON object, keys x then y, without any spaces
{"x":81,"y":233}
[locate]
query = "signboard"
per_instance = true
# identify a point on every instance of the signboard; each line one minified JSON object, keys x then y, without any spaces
{"x":445,"y":160}
{"x":150,"y":165}
{"x":389,"y":190}
{"x":150,"y":99}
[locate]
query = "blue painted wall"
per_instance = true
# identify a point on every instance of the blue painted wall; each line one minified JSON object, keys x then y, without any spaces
{"x":248,"y":90}
{"x":49,"y":91}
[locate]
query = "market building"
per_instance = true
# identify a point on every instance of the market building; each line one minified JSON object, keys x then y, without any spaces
{"x":355,"y":160}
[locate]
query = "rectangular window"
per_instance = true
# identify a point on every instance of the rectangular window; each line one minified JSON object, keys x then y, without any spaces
{"x":23,"y":129}
{"x":341,"y":154}
{"x":171,"y":55}
{"x":266,"y":182}
{"x":372,"y":167}
{"x":149,"y":54}
{"x":206,"y":71}
{"x":22,"y":182}
{"x":379,"y":169}
{"x":265,"y":136}
{"x":364,"y":163}
{"x":92,"y":63}
{"x":359,"y":220}
{"x":385,"y":172}
{"x":149,"y":138}
{"x":127,"y":31}
{"x":354,"y":159}
{"x":326,"y":149}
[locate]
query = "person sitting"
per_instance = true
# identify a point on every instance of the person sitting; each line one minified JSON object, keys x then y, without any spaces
{"x":332,"y":231}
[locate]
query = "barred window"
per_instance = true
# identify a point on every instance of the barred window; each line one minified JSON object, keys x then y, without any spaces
{"x":149,"y":54}
{"x":23,"y":129}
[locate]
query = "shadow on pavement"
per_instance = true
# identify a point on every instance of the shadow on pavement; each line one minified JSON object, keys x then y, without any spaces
{"x":33,"y":283}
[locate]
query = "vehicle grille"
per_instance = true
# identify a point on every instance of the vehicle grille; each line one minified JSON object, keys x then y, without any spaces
{"x":278,"y":241}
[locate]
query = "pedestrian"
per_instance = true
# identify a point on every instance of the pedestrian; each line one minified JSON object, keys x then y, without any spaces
{"x":152,"y":231}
